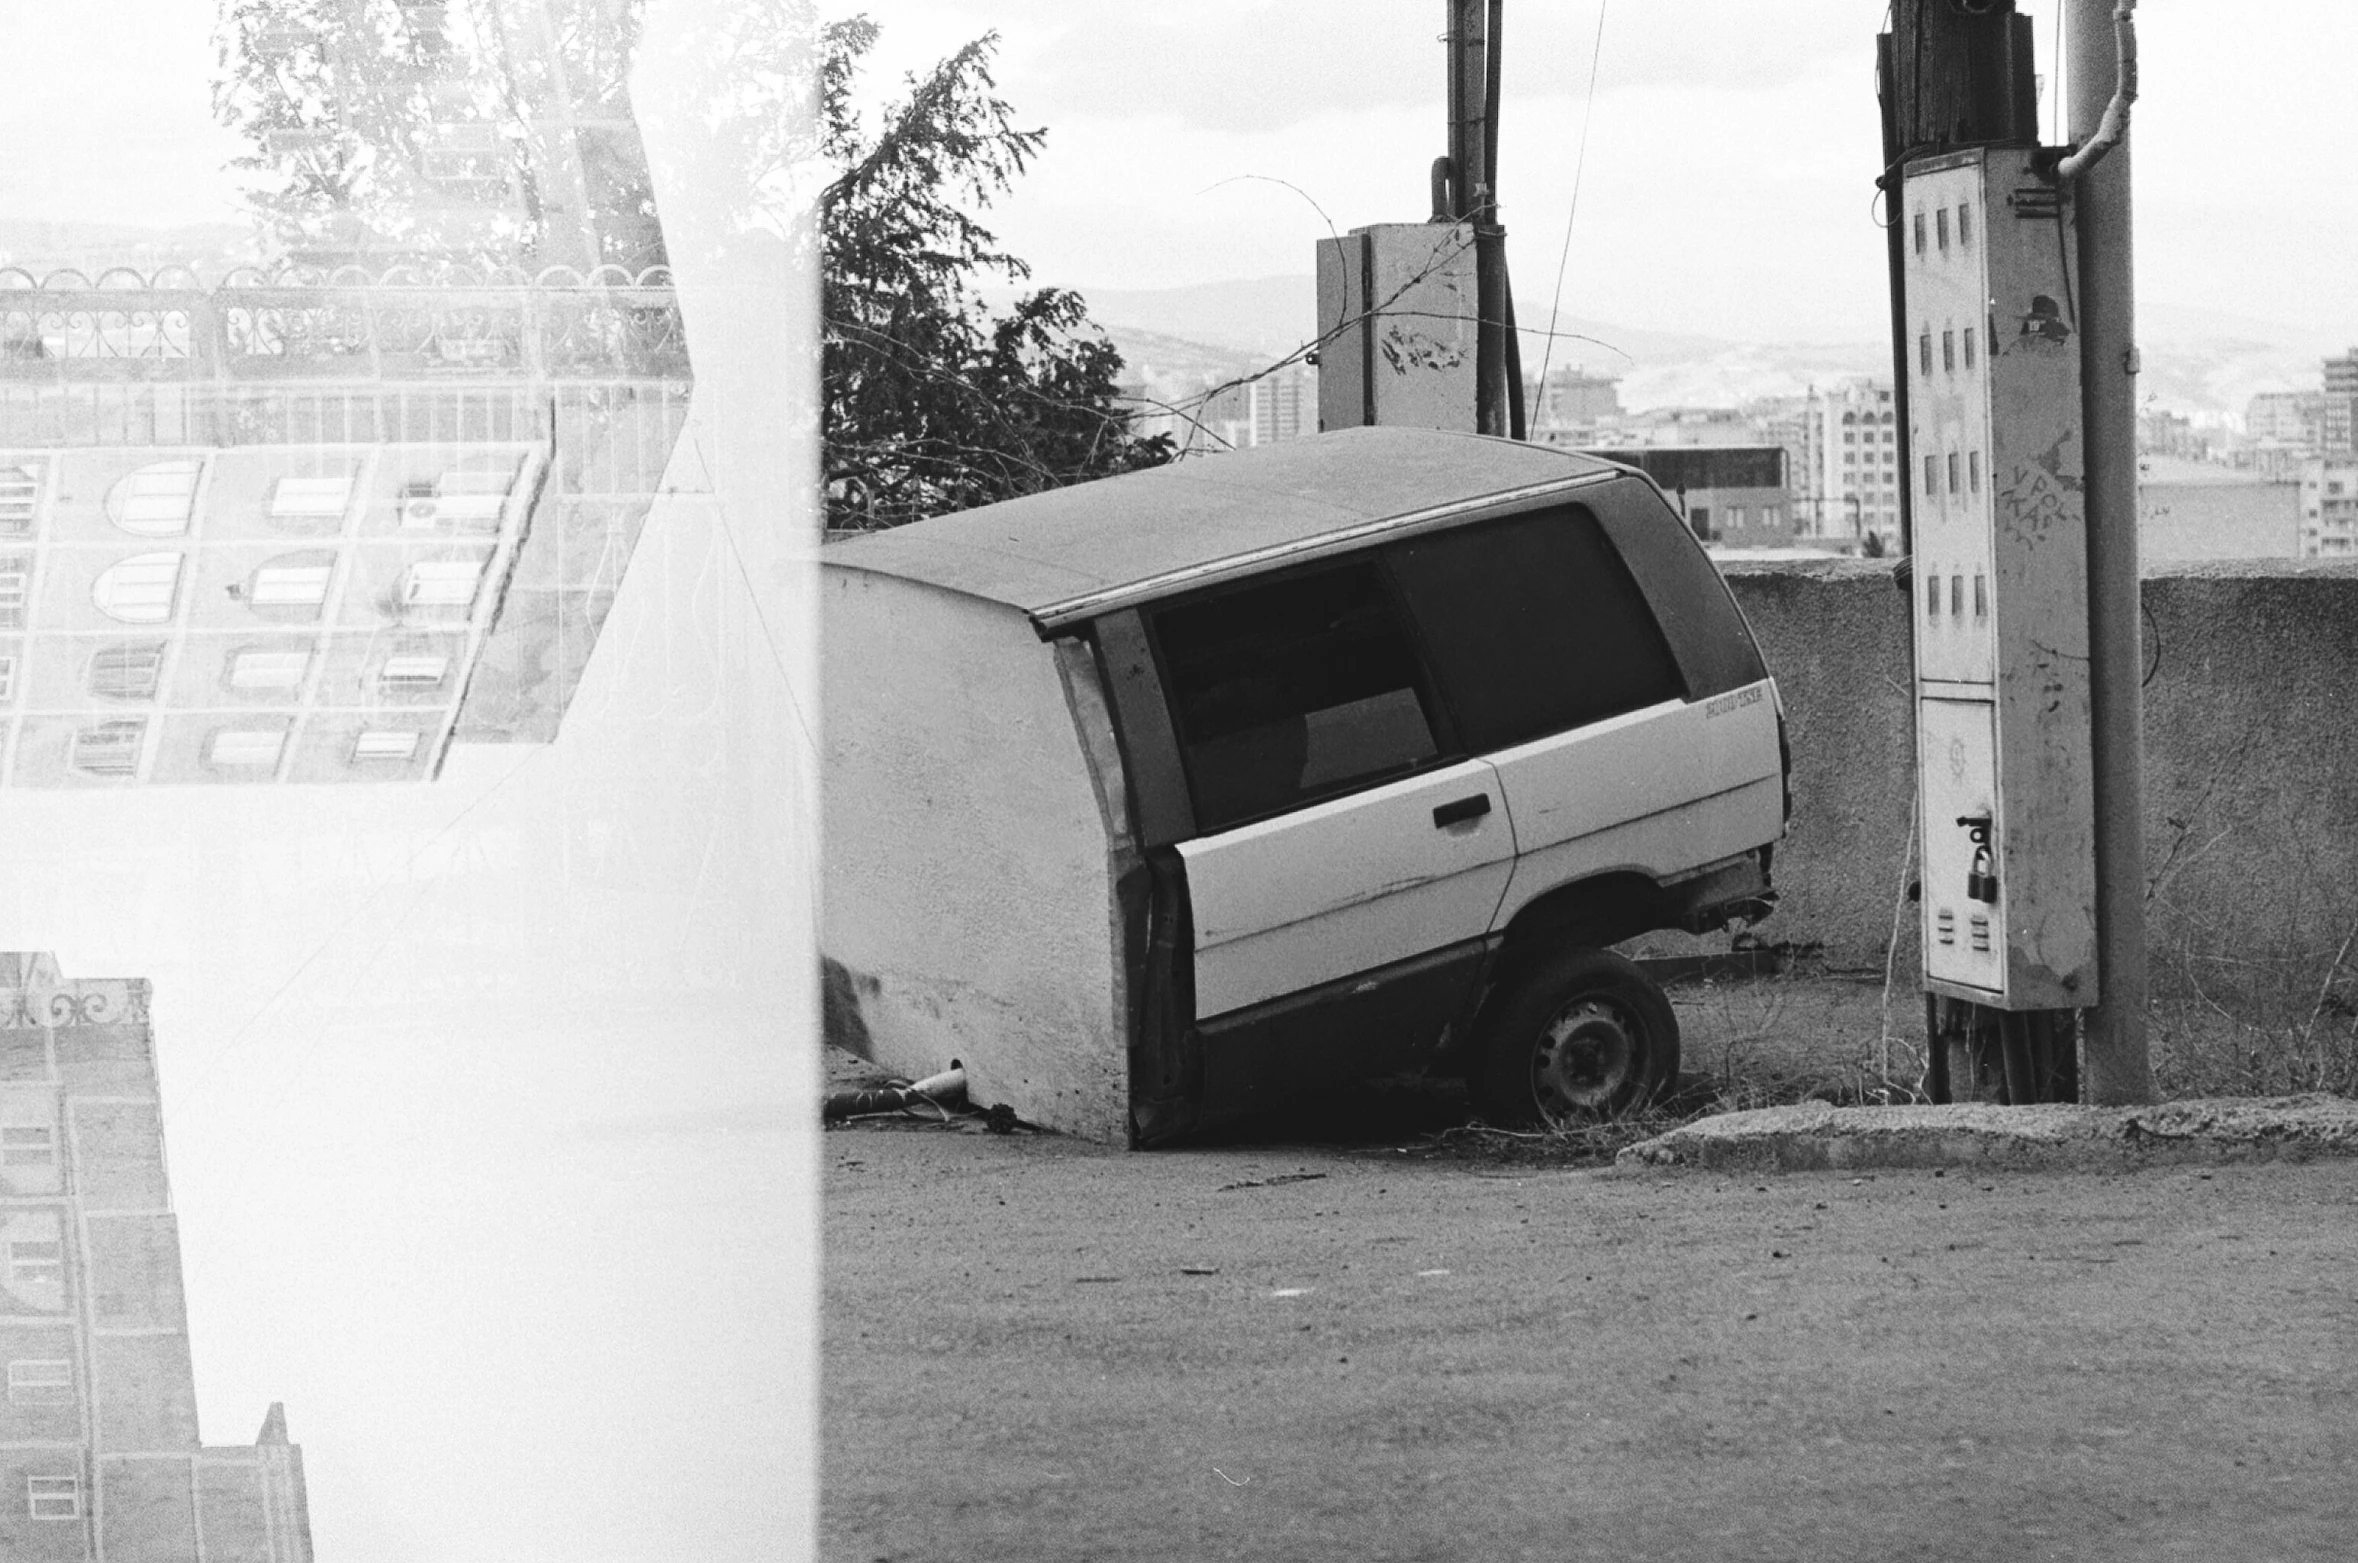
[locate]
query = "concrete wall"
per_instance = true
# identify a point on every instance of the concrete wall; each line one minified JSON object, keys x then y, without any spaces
{"x":2251,"y":806}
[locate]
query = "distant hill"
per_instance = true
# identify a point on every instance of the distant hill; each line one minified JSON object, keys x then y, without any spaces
{"x":2205,"y":363}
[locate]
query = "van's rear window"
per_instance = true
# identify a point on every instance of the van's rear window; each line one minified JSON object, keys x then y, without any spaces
{"x":1534,"y":626}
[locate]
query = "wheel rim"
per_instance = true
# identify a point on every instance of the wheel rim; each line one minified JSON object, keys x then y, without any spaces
{"x":1585,"y":1059}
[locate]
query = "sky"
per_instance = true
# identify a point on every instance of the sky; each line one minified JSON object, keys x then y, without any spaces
{"x":1726,"y":187}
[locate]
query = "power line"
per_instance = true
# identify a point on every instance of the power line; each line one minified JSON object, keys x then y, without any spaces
{"x":1596,"y":55}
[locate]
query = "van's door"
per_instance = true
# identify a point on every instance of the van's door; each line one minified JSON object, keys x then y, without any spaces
{"x":1349,"y":857}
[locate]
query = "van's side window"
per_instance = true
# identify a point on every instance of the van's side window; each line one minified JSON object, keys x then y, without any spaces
{"x":1534,"y":626}
{"x":1292,"y":690}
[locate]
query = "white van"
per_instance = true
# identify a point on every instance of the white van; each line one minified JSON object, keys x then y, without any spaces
{"x":1156,"y":800}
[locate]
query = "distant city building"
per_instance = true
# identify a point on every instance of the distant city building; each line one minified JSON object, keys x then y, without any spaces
{"x":2295,"y":418}
{"x":1280,"y":405}
{"x":100,"y":1459}
{"x":293,"y":530}
{"x":1733,"y":493}
{"x":2338,"y":431}
{"x":1572,"y":399}
{"x":1845,"y":442}
{"x":1283,"y":405}
{"x":2329,"y":507}
{"x":2162,"y":433}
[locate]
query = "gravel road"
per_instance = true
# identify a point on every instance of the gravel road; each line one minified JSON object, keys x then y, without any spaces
{"x":1043,"y":1350}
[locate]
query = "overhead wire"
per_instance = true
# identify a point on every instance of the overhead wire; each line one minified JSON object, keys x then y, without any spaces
{"x":1579,"y":167}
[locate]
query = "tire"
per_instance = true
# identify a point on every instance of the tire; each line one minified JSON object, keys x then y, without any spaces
{"x":1575,"y":1037}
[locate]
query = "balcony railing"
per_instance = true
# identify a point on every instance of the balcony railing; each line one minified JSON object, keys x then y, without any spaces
{"x":349,"y":324}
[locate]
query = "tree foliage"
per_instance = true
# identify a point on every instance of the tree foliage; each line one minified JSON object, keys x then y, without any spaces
{"x":933,"y":402}
{"x":482,"y":131}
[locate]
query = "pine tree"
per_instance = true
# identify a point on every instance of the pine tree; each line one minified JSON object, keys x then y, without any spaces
{"x":933,"y":403}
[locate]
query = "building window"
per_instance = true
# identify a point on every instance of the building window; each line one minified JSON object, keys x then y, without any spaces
{"x":291,"y":585}
{"x":54,"y":1497}
{"x":260,"y":670}
{"x":413,"y":674}
{"x":28,"y":1145}
{"x":36,"y":1262}
{"x":1981,"y":597}
{"x":41,"y":1381}
{"x":1931,"y":475}
{"x":138,"y":590}
{"x":444,"y":583}
{"x":1924,"y":352}
{"x":385,"y":743}
{"x":245,"y":748}
{"x":1948,"y":352}
{"x":109,"y":749}
{"x":310,"y":503}
{"x":127,"y":672}
{"x":16,"y":578}
{"x":1973,"y":470}
{"x":7,"y":678}
{"x":156,"y":500}
{"x":1968,"y":347}
{"x":1932,"y":596}
{"x":1919,"y":233}
{"x":20,"y":498}
{"x":1965,"y":225}
{"x":466,"y":500}
{"x":1940,"y":220}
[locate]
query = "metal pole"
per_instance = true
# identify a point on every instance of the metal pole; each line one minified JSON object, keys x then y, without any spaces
{"x":2119,"y":1069}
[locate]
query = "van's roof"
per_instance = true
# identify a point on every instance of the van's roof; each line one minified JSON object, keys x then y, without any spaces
{"x":1053,"y":554}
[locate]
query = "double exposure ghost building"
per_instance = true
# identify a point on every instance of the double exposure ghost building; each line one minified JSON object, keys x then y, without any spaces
{"x":314,"y":526}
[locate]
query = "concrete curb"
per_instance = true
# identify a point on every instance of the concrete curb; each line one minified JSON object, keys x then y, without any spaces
{"x":1819,"y":1135}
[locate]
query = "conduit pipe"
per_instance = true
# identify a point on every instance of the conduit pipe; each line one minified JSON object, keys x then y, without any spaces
{"x":2115,"y":123}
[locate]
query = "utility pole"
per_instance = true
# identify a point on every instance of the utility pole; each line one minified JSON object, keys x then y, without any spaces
{"x":2026,"y":689}
{"x":2101,"y":48}
{"x":1473,"y":38}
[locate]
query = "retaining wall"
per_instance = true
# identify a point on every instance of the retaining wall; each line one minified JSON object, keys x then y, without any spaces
{"x":2251,"y":773}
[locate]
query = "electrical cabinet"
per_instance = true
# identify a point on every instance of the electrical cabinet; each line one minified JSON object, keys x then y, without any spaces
{"x":1397,"y":319}
{"x":2000,"y":582}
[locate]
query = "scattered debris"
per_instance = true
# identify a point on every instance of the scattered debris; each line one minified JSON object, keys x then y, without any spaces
{"x":938,"y":1092}
{"x":1266,"y":1183}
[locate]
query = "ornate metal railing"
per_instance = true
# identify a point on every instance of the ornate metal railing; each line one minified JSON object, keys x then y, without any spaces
{"x":294,"y":322}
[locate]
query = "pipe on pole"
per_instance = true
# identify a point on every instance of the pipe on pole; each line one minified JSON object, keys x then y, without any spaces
{"x":2119,"y":1067}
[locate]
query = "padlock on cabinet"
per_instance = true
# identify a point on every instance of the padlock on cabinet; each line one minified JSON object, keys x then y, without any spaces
{"x":1981,"y":878}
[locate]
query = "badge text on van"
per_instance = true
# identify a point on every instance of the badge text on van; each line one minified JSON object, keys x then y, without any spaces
{"x":1735,"y":700}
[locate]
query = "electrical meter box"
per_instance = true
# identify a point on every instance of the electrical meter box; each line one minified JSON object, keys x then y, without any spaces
{"x":1397,"y":319}
{"x":2000,"y":582}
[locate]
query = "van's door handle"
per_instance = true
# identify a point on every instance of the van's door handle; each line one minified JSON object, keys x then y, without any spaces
{"x":1462,"y":810}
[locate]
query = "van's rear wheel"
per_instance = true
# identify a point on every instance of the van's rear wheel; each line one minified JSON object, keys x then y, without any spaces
{"x":1575,"y":1038}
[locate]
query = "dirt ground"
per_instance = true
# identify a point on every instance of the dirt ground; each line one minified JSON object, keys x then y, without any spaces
{"x":1325,"y":1340}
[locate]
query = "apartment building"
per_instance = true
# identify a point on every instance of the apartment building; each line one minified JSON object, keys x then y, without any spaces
{"x":100,"y":1457}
